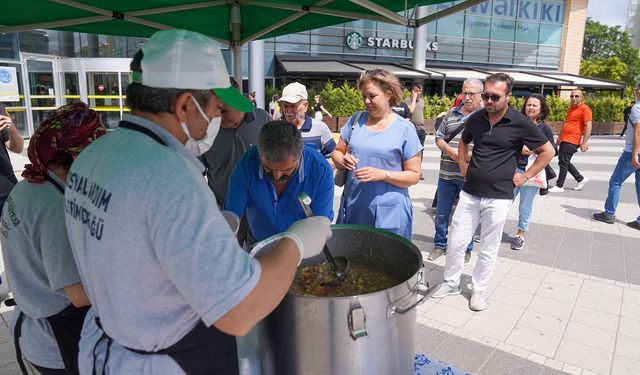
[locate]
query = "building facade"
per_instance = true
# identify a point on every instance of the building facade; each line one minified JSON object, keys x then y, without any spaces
{"x":53,"y":68}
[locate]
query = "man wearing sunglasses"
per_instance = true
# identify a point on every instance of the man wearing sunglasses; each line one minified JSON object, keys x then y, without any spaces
{"x":574,"y":136}
{"x":267,"y":180}
{"x":498,"y":133}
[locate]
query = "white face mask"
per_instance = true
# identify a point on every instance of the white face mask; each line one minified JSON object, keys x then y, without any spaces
{"x":199,"y":147}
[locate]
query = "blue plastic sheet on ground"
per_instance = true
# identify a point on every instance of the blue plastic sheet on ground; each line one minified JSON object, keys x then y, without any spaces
{"x":423,"y":365}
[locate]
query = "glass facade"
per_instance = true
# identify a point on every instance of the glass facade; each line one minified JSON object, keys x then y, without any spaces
{"x":508,"y":33}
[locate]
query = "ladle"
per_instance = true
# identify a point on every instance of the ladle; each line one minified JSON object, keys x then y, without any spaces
{"x":340,"y":265}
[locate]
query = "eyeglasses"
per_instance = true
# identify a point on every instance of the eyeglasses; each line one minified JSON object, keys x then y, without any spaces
{"x":574,"y":96}
{"x":494,"y":97}
{"x":464,"y":94}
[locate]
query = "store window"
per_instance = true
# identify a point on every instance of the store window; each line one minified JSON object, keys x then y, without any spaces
{"x":451,"y":26}
{"x":9,"y":46}
{"x":103,"y":94}
{"x":71,"y":88}
{"x":17,"y":109}
{"x":477,"y":27}
{"x":550,"y":35}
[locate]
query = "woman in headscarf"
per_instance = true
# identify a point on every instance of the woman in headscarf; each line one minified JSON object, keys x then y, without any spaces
{"x":42,"y":274}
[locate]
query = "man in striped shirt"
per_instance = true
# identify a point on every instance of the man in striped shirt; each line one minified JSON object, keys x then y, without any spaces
{"x":450,"y":179}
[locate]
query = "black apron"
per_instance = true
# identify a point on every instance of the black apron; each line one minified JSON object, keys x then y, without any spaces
{"x":66,"y":326}
{"x":204,"y":350}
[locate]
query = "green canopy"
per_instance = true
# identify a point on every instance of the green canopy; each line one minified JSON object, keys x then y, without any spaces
{"x":236,"y":21}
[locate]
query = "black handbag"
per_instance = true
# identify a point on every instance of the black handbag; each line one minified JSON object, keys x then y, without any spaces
{"x":341,"y":174}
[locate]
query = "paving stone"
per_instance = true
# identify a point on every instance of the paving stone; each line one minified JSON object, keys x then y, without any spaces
{"x":584,"y":356}
{"x":465,"y":354}
{"x":571,"y":264}
{"x":504,"y":363}
{"x":622,"y":366}
{"x":539,"y":259}
{"x":428,"y":339}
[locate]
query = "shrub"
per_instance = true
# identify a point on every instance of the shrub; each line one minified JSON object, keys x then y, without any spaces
{"x":341,"y":101}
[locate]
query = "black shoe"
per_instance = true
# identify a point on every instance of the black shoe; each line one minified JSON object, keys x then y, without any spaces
{"x":544,"y":191}
{"x":634,"y":224}
{"x":421,"y":176}
{"x":605,"y":218}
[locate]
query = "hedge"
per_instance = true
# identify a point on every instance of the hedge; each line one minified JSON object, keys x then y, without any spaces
{"x":345,"y":100}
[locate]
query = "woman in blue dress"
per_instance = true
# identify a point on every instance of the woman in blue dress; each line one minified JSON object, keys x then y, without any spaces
{"x":381,"y":152}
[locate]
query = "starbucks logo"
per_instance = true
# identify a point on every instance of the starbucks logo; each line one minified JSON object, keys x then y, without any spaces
{"x":354,"y":40}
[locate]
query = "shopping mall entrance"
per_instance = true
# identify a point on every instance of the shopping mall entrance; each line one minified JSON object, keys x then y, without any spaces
{"x":47,"y":82}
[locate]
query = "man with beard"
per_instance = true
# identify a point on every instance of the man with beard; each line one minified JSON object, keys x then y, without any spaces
{"x":266,"y":182}
{"x":498,"y":133}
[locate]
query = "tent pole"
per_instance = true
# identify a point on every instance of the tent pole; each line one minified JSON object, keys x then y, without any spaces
{"x":256,"y":70}
{"x":236,"y":47}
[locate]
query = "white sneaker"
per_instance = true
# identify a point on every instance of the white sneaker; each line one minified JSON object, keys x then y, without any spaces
{"x":445,"y":290}
{"x":477,"y":302}
{"x":556,"y":189}
{"x":581,"y":184}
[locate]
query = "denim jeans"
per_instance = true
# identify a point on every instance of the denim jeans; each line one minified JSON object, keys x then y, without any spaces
{"x":2,"y":201}
{"x":527,"y":195}
{"x":565,"y":153}
{"x":623,"y":170}
{"x":448,"y":191}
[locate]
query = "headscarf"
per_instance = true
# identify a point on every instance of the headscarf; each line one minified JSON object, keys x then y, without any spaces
{"x":67,"y":131}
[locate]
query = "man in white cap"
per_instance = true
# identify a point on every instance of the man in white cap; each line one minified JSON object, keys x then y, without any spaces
{"x":315,"y":133}
{"x":169,"y":285}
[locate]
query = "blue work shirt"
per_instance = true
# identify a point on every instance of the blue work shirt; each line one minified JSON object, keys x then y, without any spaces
{"x":251,"y":190}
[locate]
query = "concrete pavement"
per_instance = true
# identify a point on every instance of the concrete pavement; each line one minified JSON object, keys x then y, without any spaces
{"x":569,"y":302}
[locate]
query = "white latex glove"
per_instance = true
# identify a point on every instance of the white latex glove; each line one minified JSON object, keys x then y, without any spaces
{"x":232,"y":220}
{"x":310,"y":235}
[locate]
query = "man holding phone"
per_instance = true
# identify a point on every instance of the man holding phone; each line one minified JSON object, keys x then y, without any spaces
{"x":11,"y":140}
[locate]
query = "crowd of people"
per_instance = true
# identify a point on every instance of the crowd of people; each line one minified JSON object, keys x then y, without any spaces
{"x":150,"y":267}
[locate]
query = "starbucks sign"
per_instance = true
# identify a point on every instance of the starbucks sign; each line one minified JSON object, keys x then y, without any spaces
{"x":354,"y":40}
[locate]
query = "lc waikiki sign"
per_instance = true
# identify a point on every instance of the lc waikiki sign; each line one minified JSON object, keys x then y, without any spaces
{"x":547,"y":11}
{"x":354,"y":40}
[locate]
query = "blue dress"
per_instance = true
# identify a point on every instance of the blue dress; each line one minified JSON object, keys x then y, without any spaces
{"x":379,"y":204}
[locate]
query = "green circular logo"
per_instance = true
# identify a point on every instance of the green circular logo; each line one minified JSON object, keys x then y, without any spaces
{"x":354,"y":40}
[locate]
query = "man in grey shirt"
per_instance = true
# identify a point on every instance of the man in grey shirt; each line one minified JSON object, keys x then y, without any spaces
{"x":238,"y":132}
{"x":450,"y":180}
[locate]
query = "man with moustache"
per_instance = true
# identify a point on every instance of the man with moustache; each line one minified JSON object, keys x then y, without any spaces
{"x":498,"y":133}
{"x":267,"y":180}
{"x":450,"y":180}
{"x":315,"y":133}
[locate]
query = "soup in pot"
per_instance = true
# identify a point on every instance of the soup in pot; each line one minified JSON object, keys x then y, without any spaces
{"x":315,"y":281}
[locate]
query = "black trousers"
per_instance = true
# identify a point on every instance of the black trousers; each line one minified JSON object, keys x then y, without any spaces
{"x":565,"y":153}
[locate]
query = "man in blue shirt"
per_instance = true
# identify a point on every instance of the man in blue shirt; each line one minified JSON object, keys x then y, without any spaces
{"x":267,"y":180}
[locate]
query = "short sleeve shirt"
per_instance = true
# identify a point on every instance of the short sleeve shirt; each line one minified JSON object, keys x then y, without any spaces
{"x":495,"y":149}
{"x":228,"y":148}
{"x":252,"y":192}
{"x":634,"y":119}
{"x":573,"y":127}
{"x":154,"y":253}
{"x":402,"y":110}
{"x":39,"y":263}
{"x":317,"y":135}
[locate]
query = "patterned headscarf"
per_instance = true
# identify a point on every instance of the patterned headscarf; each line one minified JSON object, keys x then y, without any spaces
{"x":67,"y":131}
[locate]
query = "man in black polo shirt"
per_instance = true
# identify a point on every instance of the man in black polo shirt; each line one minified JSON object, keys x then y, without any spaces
{"x":498,"y":133}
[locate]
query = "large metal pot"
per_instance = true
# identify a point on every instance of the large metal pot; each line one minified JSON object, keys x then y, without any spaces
{"x":365,"y":334}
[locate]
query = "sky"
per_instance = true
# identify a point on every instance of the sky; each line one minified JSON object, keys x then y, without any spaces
{"x":608,"y":12}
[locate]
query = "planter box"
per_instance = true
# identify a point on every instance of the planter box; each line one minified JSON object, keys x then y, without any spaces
{"x":599,"y":128}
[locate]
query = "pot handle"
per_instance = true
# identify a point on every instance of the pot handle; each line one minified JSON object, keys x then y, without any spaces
{"x":422,"y":288}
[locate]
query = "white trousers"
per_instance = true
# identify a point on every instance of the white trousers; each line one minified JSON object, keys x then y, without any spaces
{"x":471,"y":210}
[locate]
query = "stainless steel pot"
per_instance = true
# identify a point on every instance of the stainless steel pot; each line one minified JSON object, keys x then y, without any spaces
{"x":365,"y":334}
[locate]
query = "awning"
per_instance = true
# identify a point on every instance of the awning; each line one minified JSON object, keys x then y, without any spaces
{"x":582,"y":81}
{"x":297,"y":66}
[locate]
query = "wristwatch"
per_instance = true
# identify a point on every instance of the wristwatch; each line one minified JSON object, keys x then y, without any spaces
{"x":387,"y":175}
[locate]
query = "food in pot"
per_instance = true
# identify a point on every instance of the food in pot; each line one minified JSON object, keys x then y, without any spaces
{"x":317,"y":281}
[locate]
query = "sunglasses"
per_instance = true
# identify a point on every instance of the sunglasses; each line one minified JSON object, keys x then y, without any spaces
{"x":494,"y":97}
{"x":375,"y":72}
{"x":574,"y":96}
